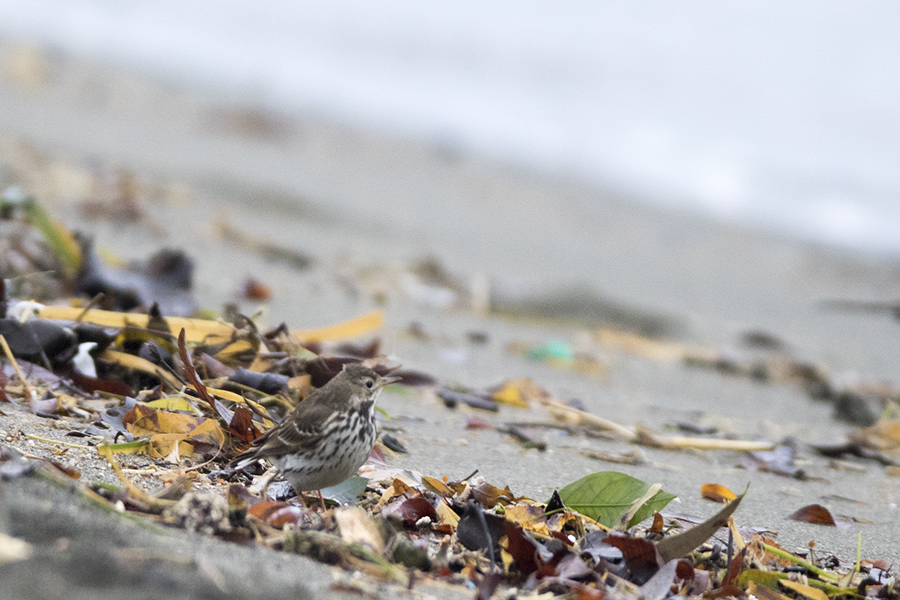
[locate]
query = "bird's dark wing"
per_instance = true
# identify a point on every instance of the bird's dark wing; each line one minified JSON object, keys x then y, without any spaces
{"x":300,"y":431}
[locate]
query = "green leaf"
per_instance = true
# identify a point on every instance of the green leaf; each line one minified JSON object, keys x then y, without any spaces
{"x":605,"y":495}
{"x":124,"y":448}
{"x":56,"y":235}
{"x":346,"y":492}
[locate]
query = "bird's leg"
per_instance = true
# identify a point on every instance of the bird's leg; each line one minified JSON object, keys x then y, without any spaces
{"x":321,"y":500}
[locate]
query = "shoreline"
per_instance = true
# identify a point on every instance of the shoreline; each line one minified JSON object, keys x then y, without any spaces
{"x":358,"y":203}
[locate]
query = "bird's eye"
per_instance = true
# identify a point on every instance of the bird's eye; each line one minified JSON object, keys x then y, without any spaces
{"x":369,"y":383}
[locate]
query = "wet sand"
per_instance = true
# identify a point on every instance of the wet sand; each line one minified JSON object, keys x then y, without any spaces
{"x":352,"y":200}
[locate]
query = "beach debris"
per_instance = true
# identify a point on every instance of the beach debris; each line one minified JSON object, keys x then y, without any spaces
{"x":879,"y":442}
{"x":519,"y":393}
{"x":717,"y":493}
{"x":116,"y":197}
{"x":779,"y":460}
{"x":561,"y":355}
{"x":183,"y":396}
{"x":525,"y":437}
{"x":855,"y":401}
{"x":763,"y":340}
{"x":452,"y":399}
{"x":451,"y":531}
{"x":256,"y":290}
{"x":62,"y":243}
{"x":813,"y":513}
{"x":632,"y":458}
{"x":425,"y":282}
{"x":269,"y":249}
{"x":570,"y":416}
{"x":890,"y":307}
{"x":164,"y":280}
{"x":576,"y":303}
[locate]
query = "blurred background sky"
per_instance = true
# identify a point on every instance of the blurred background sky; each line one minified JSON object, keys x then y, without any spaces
{"x":772,"y":114}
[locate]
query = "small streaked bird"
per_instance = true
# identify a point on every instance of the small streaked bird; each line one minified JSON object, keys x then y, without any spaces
{"x":328,"y":437}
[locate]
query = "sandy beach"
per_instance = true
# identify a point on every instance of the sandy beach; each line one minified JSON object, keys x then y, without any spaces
{"x":556,"y":259}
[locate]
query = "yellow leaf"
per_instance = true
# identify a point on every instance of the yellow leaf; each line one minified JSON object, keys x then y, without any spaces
{"x":238,"y":399}
{"x":208,"y":432}
{"x":348,"y":329}
{"x":510,"y":394}
{"x":240,"y":353}
{"x":528,"y":516}
{"x":520,"y":393}
{"x":162,"y":444}
{"x":437,"y":486}
{"x":505,"y":555}
{"x":174,"y":403}
{"x":136,"y":336}
{"x":160,"y":421}
{"x":446,"y":515}
{"x":137,"y":363}
{"x":716,"y":492}
{"x":764,"y":593}
{"x":805,"y":590}
{"x":884,"y":435}
{"x":196,"y":330}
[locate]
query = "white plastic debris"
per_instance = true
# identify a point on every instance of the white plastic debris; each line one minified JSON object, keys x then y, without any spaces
{"x":83,"y":361}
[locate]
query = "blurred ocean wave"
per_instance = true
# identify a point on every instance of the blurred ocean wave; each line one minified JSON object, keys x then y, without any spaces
{"x":780,"y":115}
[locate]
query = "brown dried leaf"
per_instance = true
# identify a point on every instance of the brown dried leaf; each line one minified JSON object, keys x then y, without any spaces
{"x":276,"y":514}
{"x":242,"y":427}
{"x":658,"y":524}
{"x":190,"y":373}
{"x":478,"y":423}
{"x":410,"y":509}
{"x":409,"y":377}
{"x":522,"y":548}
{"x":640,"y":555}
{"x":490,"y":496}
{"x":814,"y":513}
{"x":256,"y":290}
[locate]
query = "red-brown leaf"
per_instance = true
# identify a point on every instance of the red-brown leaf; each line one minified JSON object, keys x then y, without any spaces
{"x":814,"y":513}
{"x":477,"y":423}
{"x":189,"y":373}
{"x":410,"y":509}
{"x":277,"y":514}
{"x":523,"y":548}
{"x":242,"y":426}
{"x":640,"y":555}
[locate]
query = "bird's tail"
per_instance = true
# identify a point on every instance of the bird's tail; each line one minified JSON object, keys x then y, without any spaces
{"x":244,"y":459}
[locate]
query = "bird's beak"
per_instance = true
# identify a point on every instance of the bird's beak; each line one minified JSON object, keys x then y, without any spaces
{"x":389,"y":380}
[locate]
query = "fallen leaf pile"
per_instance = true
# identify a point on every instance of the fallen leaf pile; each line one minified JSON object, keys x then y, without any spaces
{"x":191,"y":393}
